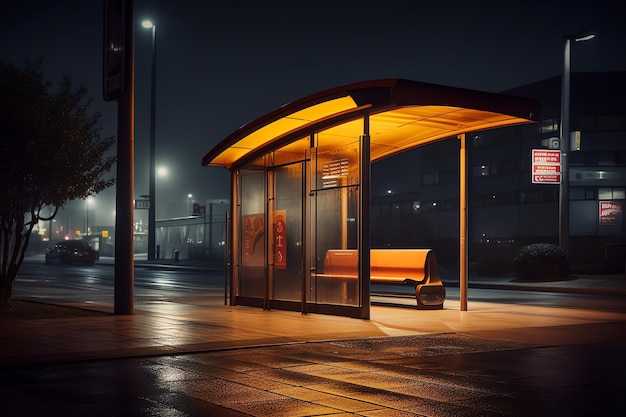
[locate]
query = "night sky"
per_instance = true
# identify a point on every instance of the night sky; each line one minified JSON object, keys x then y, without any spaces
{"x":221,"y":65}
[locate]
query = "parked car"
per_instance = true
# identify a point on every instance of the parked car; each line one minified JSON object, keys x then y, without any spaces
{"x":69,"y":251}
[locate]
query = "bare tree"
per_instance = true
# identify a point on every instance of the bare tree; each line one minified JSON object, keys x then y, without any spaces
{"x":51,"y":152}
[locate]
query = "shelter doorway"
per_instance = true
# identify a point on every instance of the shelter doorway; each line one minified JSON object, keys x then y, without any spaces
{"x":286,"y":277}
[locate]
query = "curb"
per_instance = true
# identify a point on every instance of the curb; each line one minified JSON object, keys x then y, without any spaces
{"x":539,"y":288}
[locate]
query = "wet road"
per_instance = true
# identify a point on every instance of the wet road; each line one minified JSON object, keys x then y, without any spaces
{"x":66,"y":283}
{"x":425,"y":375}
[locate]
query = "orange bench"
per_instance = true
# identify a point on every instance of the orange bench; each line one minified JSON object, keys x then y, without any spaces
{"x":415,"y":267}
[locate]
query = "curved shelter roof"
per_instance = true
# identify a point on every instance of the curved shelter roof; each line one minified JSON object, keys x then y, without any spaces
{"x":403,"y":114}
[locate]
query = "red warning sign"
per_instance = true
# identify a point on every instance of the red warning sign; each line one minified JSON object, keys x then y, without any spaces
{"x":546,"y":166}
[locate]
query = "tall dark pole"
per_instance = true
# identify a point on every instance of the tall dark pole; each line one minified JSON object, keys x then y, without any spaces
{"x":564,"y":134}
{"x":565,"y":141}
{"x":152,"y":208}
{"x":124,"y":267}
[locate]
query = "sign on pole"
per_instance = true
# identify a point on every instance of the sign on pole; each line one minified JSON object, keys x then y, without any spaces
{"x":113,"y":74}
{"x":546,"y":166}
{"x":142,"y":204}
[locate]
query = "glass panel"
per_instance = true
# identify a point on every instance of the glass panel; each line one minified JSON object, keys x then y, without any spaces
{"x":335,"y":209}
{"x":253,"y":234}
{"x":287,"y":233}
{"x":336,"y":234}
{"x":293,"y":152}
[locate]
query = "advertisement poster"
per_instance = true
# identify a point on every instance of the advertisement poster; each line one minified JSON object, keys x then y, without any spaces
{"x":253,"y":237}
{"x":280,"y":239}
{"x":608,"y":211}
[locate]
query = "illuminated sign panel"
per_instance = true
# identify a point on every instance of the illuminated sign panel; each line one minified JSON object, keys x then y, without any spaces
{"x":337,"y":168}
{"x":546,"y":166}
{"x":608,"y":211}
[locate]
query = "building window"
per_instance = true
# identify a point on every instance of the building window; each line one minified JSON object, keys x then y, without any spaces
{"x":509,"y":167}
{"x":489,"y":138}
{"x":443,"y":177}
{"x":583,"y":193}
{"x":549,"y":126}
{"x":608,"y":158}
{"x":530,"y":196}
{"x":611,"y":122}
{"x":448,"y":177}
{"x":539,"y":195}
{"x":480,"y":171}
{"x":431,"y":178}
{"x":497,"y":199}
{"x":577,"y":193}
{"x":611,"y":193}
{"x":591,"y":159}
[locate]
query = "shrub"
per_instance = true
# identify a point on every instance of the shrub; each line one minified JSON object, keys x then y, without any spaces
{"x":541,"y":261}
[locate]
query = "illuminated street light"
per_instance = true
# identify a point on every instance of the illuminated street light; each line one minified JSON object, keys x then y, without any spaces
{"x":151,"y":210}
{"x":162,"y":172}
{"x":189,"y":197}
{"x":565,"y":141}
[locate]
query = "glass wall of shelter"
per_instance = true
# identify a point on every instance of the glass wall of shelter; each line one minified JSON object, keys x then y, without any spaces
{"x":293,"y":204}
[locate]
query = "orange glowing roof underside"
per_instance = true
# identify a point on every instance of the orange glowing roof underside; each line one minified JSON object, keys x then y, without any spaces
{"x":403,"y":114}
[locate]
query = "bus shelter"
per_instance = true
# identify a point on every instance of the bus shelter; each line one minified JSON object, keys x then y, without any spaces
{"x":300,"y":184}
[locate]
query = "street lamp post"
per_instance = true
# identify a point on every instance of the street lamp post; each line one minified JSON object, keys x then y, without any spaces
{"x":87,"y":215}
{"x":87,"y":202}
{"x":565,"y":141}
{"x":152,"y":189}
{"x":189,"y":196}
